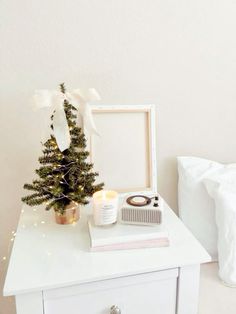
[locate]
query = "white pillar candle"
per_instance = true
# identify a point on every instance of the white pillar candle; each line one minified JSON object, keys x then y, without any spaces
{"x":105,"y":207}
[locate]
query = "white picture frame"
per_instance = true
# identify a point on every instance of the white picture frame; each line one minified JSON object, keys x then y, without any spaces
{"x":124,"y":153}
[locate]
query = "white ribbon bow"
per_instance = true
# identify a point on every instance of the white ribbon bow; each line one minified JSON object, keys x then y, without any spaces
{"x":54,"y":102}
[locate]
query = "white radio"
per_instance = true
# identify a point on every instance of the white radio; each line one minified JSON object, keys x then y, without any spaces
{"x":142,"y":210}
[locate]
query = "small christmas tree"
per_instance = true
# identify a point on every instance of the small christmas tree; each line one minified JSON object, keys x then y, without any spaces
{"x":64,"y":176}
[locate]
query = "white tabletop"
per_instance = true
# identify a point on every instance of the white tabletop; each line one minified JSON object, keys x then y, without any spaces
{"x":46,"y":255}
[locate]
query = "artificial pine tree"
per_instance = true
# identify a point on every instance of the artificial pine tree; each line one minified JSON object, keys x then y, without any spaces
{"x":64,"y":176}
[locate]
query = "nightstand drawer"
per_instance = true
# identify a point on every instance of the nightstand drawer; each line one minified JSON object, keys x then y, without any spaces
{"x":153,"y":292}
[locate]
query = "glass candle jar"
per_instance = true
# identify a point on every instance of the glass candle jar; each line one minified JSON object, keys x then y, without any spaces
{"x":105,"y":207}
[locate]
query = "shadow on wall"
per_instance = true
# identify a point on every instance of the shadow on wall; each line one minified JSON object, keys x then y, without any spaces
{"x":167,"y":187}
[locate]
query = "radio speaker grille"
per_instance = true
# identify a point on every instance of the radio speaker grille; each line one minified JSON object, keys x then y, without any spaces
{"x":141,"y":215}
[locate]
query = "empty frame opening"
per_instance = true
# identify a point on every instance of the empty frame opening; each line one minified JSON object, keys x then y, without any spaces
{"x":121,"y":154}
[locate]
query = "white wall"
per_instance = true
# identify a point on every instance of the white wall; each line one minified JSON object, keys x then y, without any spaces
{"x":180,"y":55}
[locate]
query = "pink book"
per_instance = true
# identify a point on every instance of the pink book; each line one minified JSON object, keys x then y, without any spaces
{"x":162,"y":242}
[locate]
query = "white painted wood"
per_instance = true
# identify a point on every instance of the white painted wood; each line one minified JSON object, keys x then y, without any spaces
{"x":133,"y":128}
{"x":31,"y":303}
{"x":111,"y":283}
{"x":188,"y":290}
{"x":48,"y":256}
{"x":136,"y":296}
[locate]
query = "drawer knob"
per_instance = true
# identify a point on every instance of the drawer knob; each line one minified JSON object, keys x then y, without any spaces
{"x":115,"y":310}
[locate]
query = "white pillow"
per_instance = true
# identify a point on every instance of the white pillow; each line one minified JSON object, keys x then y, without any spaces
{"x":196,"y":207}
{"x":224,"y":195}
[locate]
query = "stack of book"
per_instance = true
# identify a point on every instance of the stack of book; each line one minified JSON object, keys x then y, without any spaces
{"x":121,"y":236}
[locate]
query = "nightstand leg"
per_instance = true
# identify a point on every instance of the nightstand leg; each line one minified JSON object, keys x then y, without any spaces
{"x":31,"y":303}
{"x":188,"y":289}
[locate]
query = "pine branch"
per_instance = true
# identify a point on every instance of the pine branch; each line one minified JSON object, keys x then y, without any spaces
{"x":30,"y":187}
{"x":51,"y":204}
{"x":62,"y":87}
{"x":50,"y":159}
{"x":36,"y":200}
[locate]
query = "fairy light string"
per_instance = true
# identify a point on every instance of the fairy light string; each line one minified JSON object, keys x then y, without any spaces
{"x":5,"y":258}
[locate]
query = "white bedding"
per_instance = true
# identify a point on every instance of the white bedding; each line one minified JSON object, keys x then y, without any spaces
{"x":196,"y":207}
{"x":207,"y":205}
{"x":224,"y":195}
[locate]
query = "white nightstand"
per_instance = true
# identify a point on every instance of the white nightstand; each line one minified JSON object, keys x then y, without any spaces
{"x":52,"y":271}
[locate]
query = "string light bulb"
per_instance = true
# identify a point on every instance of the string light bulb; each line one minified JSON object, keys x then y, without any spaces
{"x":5,"y":257}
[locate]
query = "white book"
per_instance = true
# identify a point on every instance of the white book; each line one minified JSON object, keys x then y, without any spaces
{"x":121,"y":233}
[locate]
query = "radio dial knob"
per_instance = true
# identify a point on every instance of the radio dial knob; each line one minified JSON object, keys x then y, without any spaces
{"x":115,"y":310}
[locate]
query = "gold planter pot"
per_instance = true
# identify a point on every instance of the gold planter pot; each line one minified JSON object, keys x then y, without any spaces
{"x":70,"y":215}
